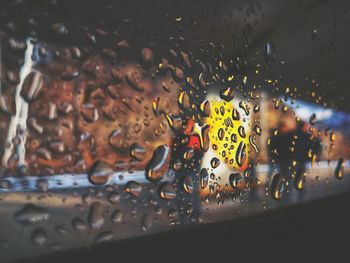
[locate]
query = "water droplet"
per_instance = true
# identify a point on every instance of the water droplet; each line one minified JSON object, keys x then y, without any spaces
{"x":167,"y":191}
{"x":116,"y":139}
{"x":299,"y":180}
{"x":147,"y":57}
{"x":241,"y":131}
{"x":59,"y":29}
{"x":253,"y":144}
{"x":339,"y":171}
{"x":244,"y":106}
{"x":188,"y":184}
{"x":114,"y":197}
{"x":241,"y":154}
{"x":42,"y":185}
{"x":91,"y":37}
{"x":109,"y":53}
{"x":215,"y":162}
{"x":158,"y":164}
{"x":167,"y":85}
{"x":13,"y":77}
{"x":100,"y":173}
{"x":146,"y":222}
{"x":134,"y":188}
{"x":177,"y":165}
{"x":204,"y":178}
{"x":257,"y":130}
{"x":44,"y":153}
{"x":205,"y":108}
{"x":117,"y":216}
{"x":222,"y":110}
{"x":312,"y":119}
{"x":79,"y":225}
{"x":51,"y":112}
{"x":221,"y":134}
{"x":314,"y":35}
{"x":96,"y":215}
{"x":5,"y":184}
{"x":137,"y":151}
{"x":70,"y":73}
{"x":39,"y":236}
{"x":227,"y":94}
{"x":7,"y":105}
{"x":32,"y":86}
{"x":177,"y":74}
{"x":233,"y":138}
{"x":270,"y":55}
{"x":188,"y":154}
{"x":104,"y":236}
{"x":57,"y":146}
{"x":236,"y":115}
{"x":31,"y":214}
{"x":89,"y":112}
{"x":60,"y":230}
{"x":185,"y":58}
{"x":17,"y":45}
{"x":175,"y":122}
{"x":205,"y":139}
{"x":33,"y":124}
{"x":76,"y":53}
{"x":180,"y":24}
{"x":256,"y":108}
{"x":277,"y":187}
{"x":236,"y":180}
{"x":123,"y":44}
{"x":184,"y":100}
{"x":132,"y":80}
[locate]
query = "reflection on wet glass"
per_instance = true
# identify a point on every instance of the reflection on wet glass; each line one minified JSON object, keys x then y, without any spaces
{"x":108,"y":132}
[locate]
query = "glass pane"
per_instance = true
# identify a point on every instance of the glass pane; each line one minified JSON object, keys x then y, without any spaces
{"x":125,"y":118}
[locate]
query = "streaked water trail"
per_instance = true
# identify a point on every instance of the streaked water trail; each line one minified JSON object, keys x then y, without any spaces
{"x":18,"y":123}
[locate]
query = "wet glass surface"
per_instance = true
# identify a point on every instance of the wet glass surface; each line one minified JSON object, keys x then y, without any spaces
{"x":124,"y":118}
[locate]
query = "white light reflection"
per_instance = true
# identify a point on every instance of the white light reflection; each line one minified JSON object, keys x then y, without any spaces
{"x":19,"y":121}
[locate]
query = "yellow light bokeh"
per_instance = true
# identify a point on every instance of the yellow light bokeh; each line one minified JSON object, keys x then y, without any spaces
{"x":225,"y":137}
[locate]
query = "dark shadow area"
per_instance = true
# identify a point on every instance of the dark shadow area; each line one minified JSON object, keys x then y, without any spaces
{"x":313,"y":231}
